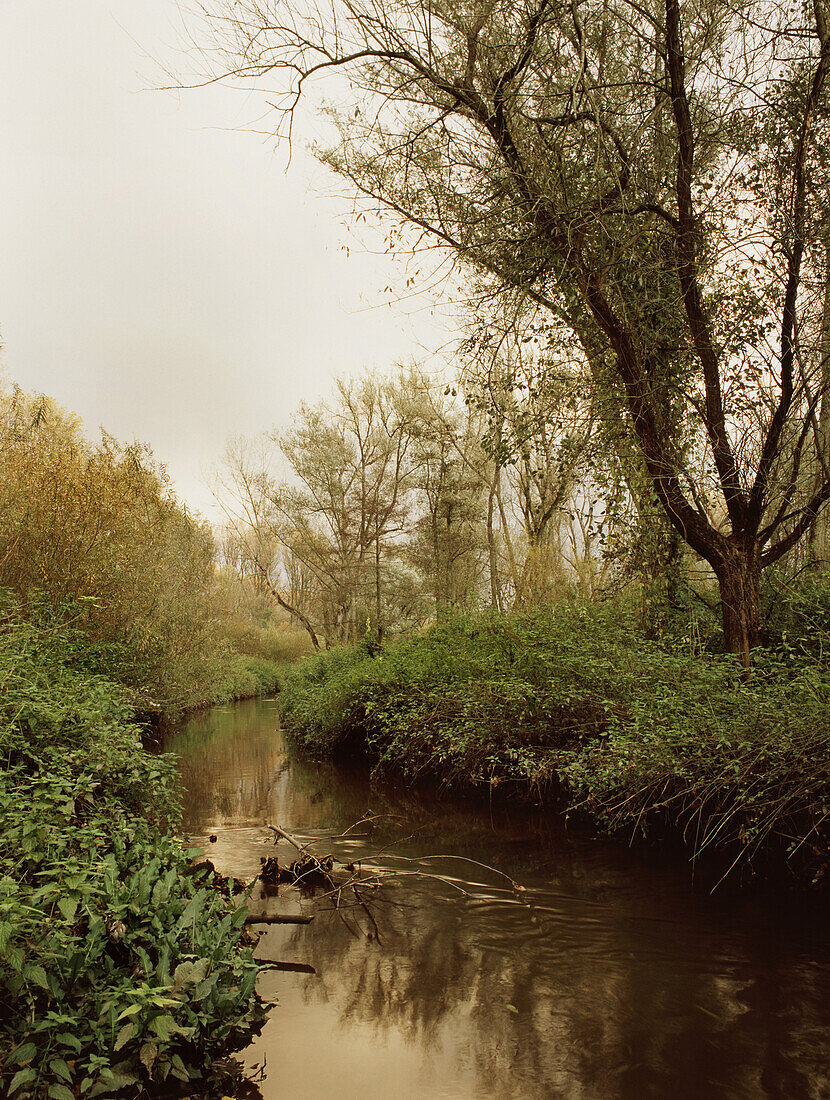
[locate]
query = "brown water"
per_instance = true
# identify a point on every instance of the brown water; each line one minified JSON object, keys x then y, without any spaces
{"x":610,"y":978}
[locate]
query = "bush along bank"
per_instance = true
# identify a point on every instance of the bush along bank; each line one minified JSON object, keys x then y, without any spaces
{"x":573,"y":703}
{"x":235,"y":676}
{"x":118,"y":969}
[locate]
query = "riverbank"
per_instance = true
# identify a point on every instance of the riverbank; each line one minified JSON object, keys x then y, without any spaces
{"x":574,"y":706}
{"x":118,"y":970}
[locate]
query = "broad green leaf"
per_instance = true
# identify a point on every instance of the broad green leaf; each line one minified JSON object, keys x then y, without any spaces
{"x":23,"y":1054}
{"x":133,"y":1010}
{"x":203,"y":988}
{"x":192,"y":909}
{"x":178,"y":1068}
{"x":148,"y":1054}
{"x":163,"y":968}
{"x":22,"y":1077}
{"x":68,"y":1040}
{"x":60,"y":1068}
{"x":190,"y":973}
{"x":113,"y":1082}
{"x":6,"y":930}
{"x":164,"y":1027}
{"x":124,"y":1035}
{"x":161,"y":893}
{"x":37,"y":975}
{"x":68,"y":907}
{"x":61,"y":1092}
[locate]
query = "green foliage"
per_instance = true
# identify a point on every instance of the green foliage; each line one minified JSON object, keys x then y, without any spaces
{"x":575,"y":700}
{"x":99,"y":525}
{"x":277,"y":643}
{"x":242,"y":677}
{"x":797,"y":615}
{"x":475,"y":698}
{"x":117,"y":967}
{"x":97,"y":529}
{"x":740,"y":766}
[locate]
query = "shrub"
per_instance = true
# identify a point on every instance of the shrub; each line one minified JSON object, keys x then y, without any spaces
{"x":98,"y":528}
{"x":574,"y":700}
{"x":117,"y":968}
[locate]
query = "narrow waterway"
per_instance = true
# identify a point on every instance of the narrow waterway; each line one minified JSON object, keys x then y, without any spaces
{"x":607,"y":978}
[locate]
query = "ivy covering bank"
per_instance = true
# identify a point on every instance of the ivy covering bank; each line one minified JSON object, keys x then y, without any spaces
{"x":574,"y":703}
{"x":118,"y":970}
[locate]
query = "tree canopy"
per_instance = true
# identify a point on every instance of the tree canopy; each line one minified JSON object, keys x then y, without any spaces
{"x":650,"y":174}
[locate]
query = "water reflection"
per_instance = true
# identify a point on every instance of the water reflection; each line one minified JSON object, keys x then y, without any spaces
{"x":607,"y":978}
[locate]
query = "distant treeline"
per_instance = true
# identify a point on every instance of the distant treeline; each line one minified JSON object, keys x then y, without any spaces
{"x":403,"y":499}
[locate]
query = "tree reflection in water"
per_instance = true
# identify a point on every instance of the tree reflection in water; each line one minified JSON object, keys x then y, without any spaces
{"x":608,"y":978}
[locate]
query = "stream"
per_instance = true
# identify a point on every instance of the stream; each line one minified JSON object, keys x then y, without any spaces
{"x":608,"y":978}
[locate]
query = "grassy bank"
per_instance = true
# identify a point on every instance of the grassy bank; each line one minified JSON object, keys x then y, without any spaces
{"x":575,"y":704}
{"x":117,"y":969}
{"x":235,"y":676}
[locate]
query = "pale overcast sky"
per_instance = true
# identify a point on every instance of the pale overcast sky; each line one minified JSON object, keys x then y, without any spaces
{"x":160,"y":273}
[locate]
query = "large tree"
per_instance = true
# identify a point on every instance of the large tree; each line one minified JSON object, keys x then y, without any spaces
{"x":646,"y":171}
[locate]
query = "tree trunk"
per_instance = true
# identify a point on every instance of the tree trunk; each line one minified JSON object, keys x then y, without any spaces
{"x":436,"y":560}
{"x":508,"y":543}
{"x":739,"y":577}
{"x":495,"y":584}
{"x":288,"y":607}
{"x":379,"y":623}
{"x":819,"y":535}
{"x":451,"y":570}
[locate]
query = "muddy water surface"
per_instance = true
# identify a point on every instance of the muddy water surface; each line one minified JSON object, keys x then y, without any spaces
{"x":608,"y":978}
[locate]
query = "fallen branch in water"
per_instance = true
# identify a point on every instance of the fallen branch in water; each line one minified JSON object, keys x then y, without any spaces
{"x":307,"y":870}
{"x":281,"y":834}
{"x":310,"y":871}
{"x":288,"y":967}
{"x":278,"y":918}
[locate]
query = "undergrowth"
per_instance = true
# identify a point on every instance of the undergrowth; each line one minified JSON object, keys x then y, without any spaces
{"x":575,"y":703}
{"x":117,"y":969}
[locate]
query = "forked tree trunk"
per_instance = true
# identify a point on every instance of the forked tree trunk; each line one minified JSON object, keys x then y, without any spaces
{"x":739,"y":578}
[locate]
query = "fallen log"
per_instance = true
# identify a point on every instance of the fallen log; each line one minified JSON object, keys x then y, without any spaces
{"x":308,"y":870}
